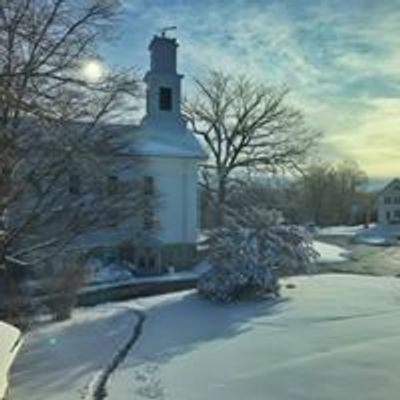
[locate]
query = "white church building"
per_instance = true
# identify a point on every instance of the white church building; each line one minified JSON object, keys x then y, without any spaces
{"x":172,"y":153}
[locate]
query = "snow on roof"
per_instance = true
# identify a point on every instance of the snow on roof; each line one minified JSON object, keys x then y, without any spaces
{"x":160,"y":142}
{"x":9,"y":345}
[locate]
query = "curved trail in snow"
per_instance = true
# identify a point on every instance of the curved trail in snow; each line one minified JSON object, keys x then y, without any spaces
{"x":99,"y":390}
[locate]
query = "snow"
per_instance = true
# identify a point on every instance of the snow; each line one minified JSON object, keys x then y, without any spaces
{"x":161,"y":141}
{"x":106,"y":281}
{"x":62,"y":360}
{"x":98,"y":272}
{"x":9,"y":345}
{"x":340,"y":230}
{"x":329,"y":253}
{"x":384,"y":235}
{"x":331,"y":337}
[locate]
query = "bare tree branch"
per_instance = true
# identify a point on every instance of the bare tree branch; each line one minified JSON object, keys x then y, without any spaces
{"x":246,"y":125}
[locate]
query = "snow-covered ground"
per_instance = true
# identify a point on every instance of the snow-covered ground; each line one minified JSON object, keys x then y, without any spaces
{"x":375,"y":234}
{"x":62,"y":360}
{"x":102,"y":276}
{"x":189,"y":274}
{"x":340,"y":230}
{"x":332,"y":337}
{"x":10,"y":340}
{"x":329,"y":253}
{"x":384,"y":235}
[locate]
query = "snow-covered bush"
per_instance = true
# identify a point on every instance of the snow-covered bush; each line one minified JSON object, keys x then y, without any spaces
{"x":248,"y":260}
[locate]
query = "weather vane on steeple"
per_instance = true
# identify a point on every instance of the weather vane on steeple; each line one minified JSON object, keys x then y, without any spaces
{"x":167,"y":29}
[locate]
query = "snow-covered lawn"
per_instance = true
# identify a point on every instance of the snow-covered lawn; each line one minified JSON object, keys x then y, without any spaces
{"x":378,"y":235}
{"x":375,"y":234}
{"x":10,"y":340}
{"x":331,"y":337}
{"x":63,"y":360}
{"x":340,"y":230}
{"x":329,"y":253}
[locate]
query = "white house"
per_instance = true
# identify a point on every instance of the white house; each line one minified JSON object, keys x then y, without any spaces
{"x":389,"y":203}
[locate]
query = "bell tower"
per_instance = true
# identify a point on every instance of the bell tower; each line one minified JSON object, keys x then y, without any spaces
{"x":163,"y":95}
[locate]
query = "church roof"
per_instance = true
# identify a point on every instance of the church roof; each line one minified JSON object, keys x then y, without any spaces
{"x":160,"y":142}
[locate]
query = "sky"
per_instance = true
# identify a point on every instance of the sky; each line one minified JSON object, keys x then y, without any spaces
{"x":341,"y":60}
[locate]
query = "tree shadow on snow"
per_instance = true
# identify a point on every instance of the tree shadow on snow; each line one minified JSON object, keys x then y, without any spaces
{"x":182,"y":323}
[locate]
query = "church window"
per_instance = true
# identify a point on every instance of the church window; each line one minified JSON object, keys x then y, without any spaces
{"x":165,"y":99}
{"x":387,"y":200}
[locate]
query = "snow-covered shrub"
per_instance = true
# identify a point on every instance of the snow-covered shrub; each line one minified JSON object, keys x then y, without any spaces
{"x":248,"y":260}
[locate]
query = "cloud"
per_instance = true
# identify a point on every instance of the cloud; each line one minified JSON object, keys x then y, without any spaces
{"x":340,"y":58}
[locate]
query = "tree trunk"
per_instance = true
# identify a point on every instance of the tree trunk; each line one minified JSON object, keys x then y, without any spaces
{"x":221,"y":203}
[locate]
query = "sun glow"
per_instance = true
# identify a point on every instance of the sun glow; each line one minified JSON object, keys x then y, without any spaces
{"x":93,"y":71}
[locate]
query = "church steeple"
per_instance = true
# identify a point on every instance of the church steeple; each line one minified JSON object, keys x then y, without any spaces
{"x":163,"y":96}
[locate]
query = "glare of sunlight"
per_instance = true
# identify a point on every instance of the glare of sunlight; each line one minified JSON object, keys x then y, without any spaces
{"x":92,"y":71}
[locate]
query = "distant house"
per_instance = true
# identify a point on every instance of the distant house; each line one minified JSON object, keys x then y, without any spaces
{"x":389,"y":203}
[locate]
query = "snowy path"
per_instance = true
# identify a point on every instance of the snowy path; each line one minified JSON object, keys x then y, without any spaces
{"x":99,"y":391}
{"x":74,"y":359}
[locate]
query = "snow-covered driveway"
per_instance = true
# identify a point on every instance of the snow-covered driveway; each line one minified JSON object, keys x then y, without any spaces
{"x":66,"y":360}
{"x":331,"y":337}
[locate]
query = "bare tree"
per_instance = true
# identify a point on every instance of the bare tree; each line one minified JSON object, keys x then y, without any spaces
{"x":314,"y":191}
{"x":246,"y":125}
{"x":332,"y":193}
{"x":57,"y":145}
